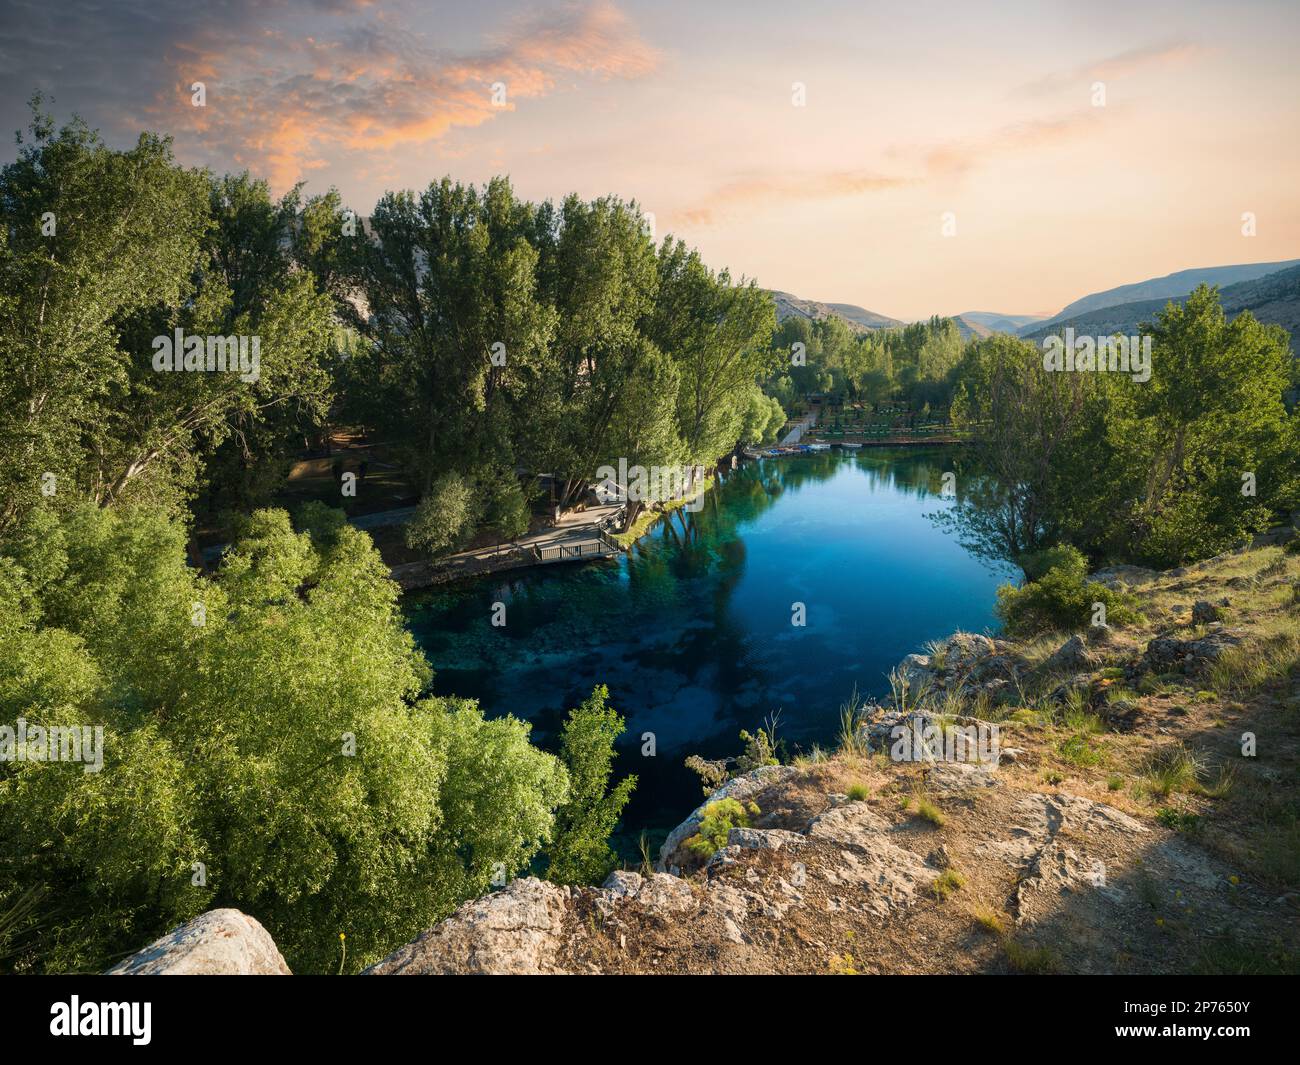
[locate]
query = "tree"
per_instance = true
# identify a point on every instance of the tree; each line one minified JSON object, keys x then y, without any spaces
{"x":88,"y":236}
{"x":1040,"y":449}
{"x":719,"y":334}
{"x":581,"y":853}
{"x":282,"y":744}
{"x":508,"y":511}
{"x":1209,"y":422}
{"x":446,"y":517}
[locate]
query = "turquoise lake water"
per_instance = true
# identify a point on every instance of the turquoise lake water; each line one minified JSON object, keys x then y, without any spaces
{"x":692,"y":631}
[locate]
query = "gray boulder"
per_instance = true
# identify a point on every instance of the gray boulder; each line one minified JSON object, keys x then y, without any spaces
{"x":1205,"y":612}
{"x":217,"y":943}
{"x":1073,"y":656}
{"x":515,"y":931}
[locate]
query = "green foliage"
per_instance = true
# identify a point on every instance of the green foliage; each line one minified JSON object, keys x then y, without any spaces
{"x":713,"y":773}
{"x":1152,"y":472}
{"x":716,"y":823}
{"x":282,"y":742}
{"x":446,"y":517}
{"x":580,"y":853}
{"x":81,"y":304}
{"x":759,"y":750}
{"x":947,"y":882}
{"x":1062,"y":598}
{"x":1178,"y":820}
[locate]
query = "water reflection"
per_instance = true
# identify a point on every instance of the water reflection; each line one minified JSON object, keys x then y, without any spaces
{"x":692,"y":630}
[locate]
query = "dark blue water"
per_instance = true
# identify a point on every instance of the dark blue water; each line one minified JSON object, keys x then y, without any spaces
{"x":692,"y":632}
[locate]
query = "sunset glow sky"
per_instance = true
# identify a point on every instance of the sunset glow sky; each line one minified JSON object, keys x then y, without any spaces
{"x":913,"y":109}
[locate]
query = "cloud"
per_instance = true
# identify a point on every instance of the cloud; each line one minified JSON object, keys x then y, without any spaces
{"x":282,"y":103}
{"x":1148,"y":57}
{"x":917,"y":165}
{"x":954,"y":158}
{"x":767,"y":190}
{"x":292,"y":84}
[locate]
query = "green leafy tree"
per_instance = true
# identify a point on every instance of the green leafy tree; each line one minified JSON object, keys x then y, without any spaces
{"x":581,"y":853}
{"x":88,"y":236}
{"x":281,"y":742}
{"x":446,"y":517}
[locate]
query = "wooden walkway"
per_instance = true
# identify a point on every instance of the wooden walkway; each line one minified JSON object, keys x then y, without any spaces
{"x":579,"y":536}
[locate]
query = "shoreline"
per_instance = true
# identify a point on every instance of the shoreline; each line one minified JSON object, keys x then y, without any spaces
{"x":466,"y":565}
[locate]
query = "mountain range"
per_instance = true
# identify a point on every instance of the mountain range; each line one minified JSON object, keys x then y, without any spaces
{"x":1271,"y":291}
{"x":1273,"y":298}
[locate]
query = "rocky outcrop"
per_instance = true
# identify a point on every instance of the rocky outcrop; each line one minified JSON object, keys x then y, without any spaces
{"x":515,"y":931}
{"x":966,"y":662}
{"x":216,"y":943}
{"x":742,"y":788}
{"x":1073,"y":656}
{"x":1167,"y":654}
{"x":1206,"y":613}
{"x":1118,"y":577}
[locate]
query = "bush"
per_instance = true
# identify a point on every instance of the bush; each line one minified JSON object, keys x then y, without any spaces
{"x":1061,"y":598}
{"x":716,"y":824}
{"x":446,"y":518}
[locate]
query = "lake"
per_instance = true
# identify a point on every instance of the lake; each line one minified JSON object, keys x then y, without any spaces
{"x":693,"y":630}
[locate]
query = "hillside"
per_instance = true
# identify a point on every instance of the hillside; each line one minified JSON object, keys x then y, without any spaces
{"x":859,"y":319}
{"x":1274,"y":298}
{"x":1000,"y":323}
{"x":1119,"y":828}
{"x":1159,"y":288}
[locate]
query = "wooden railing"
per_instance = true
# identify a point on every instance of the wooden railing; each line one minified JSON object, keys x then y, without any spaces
{"x":598,"y":548}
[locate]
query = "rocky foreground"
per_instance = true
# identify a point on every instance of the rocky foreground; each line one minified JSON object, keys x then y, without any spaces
{"x":1076,"y":849}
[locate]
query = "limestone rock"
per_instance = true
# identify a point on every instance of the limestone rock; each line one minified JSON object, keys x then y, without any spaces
{"x":217,"y":943}
{"x":762,"y":839}
{"x":742,"y":788}
{"x":874,"y":873}
{"x":1120,"y":576}
{"x":1073,"y":656}
{"x":1205,"y":612}
{"x":1166,"y":654}
{"x":515,"y":931}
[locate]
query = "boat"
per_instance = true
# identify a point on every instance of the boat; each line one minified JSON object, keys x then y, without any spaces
{"x":850,"y":447}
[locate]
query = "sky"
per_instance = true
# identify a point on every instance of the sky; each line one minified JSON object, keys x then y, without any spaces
{"x":912,"y":158}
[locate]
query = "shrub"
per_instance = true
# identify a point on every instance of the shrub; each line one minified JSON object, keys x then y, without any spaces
{"x":946,"y":883}
{"x":1061,"y":598}
{"x":929,"y":811}
{"x":760,"y":750}
{"x":446,"y":518}
{"x":718,"y":820}
{"x":1178,"y":820}
{"x":989,"y":919}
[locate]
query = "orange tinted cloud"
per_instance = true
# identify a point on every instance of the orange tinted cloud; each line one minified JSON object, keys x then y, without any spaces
{"x":767,"y":190}
{"x":278,"y":102}
{"x":1148,"y":57}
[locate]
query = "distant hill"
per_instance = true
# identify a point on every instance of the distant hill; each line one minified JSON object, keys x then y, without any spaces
{"x":859,"y":319}
{"x":1273,"y":298}
{"x":999,"y":323}
{"x":1161,"y":288}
